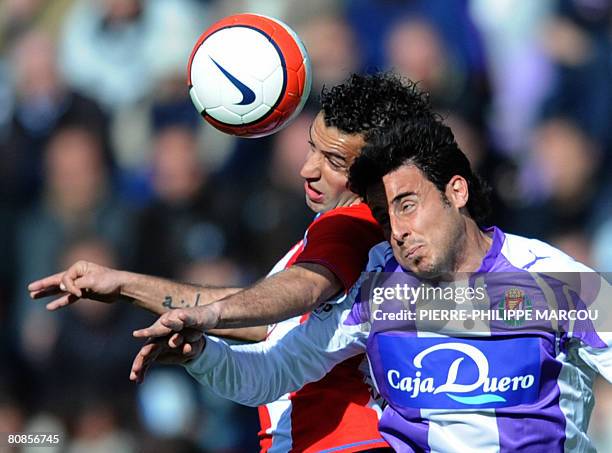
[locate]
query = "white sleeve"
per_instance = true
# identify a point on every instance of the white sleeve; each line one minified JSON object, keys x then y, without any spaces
{"x":599,"y":359}
{"x":260,"y":373}
{"x":595,"y":347}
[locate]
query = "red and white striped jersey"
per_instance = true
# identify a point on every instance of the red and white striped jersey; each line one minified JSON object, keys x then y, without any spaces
{"x":336,"y":413}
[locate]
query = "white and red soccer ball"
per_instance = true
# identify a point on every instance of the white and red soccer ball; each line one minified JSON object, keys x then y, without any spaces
{"x":249,"y":75}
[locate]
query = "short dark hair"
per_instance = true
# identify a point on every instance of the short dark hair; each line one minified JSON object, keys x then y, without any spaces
{"x":430,"y":146}
{"x":369,"y":104}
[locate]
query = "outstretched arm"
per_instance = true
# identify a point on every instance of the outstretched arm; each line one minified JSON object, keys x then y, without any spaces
{"x":160,"y":295}
{"x":89,"y":280}
{"x":260,"y":373}
{"x":292,"y":292}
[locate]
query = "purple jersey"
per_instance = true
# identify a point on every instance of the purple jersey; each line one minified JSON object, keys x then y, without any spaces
{"x":494,"y":387}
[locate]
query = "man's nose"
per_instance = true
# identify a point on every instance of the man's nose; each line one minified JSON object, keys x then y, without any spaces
{"x":399,"y":231}
{"x":312,"y":166}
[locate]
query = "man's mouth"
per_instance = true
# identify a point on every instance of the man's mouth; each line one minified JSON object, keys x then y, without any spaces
{"x":313,"y":194}
{"x":412,"y":251}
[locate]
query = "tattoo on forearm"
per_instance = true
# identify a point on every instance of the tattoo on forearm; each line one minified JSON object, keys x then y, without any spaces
{"x":168,"y":303}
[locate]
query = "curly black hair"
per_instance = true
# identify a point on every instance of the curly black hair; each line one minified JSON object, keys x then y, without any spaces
{"x":370,"y":104}
{"x":429,"y":145}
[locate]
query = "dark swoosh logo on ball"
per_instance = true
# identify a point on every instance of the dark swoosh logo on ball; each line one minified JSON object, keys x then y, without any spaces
{"x":248,"y":95}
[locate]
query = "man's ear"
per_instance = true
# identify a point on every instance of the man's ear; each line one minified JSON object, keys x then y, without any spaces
{"x":457,"y":191}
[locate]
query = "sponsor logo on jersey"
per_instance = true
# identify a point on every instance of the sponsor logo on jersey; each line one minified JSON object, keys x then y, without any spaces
{"x":453,"y":373}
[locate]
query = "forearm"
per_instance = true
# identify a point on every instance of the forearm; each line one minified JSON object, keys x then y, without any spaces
{"x":292,"y":292}
{"x":159,"y":295}
{"x":260,"y":373}
{"x":250,"y":334}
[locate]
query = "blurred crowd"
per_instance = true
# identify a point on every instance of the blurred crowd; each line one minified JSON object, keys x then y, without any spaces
{"x":104,"y":158}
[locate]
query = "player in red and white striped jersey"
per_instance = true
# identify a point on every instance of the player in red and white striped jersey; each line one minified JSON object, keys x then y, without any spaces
{"x":340,"y":403}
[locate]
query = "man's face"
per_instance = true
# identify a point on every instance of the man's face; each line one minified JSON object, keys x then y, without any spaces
{"x":325,"y":170}
{"x":426,"y":227}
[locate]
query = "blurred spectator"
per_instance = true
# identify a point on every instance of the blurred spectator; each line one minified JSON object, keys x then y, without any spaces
{"x":12,"y":415}
{"x":497,"y":170}
{"x":187,"y":220}
{"x":373,"y":19}
{"x":272,"y":211}
{"x":45,"y":422}
{"x":98,"y":429}
{"x":94,"y":337}
{"x":332,"y":49}
{"x":115,"y":49}
{"x":43,"y":103}
{"x":87,"y":337}
{"x":578,"y":41}
{"x":17,"y":16}
{"x":221,"y":272}
{"x":292,"y":12}
{"x":521,"y":73}
{"x":167,"y":106}
{"x":575,"y":243}
{"x":166,"y":102}
{"x":416,"y":50}
{"x":559,"y":189}
{"x":222,"y":425}
{"x":77,"y":197}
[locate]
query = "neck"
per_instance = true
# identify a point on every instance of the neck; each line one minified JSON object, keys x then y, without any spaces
{"x":476,"y":244}
{"x":351,"y":201}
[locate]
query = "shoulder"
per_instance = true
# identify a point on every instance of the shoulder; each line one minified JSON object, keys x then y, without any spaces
{"x":350,"y":214}
{"x":538,"y":256}
{"x":379,"y":256}
{"x":347,"y":224}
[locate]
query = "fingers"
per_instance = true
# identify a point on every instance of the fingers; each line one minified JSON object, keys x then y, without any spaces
{"x":176,"y":340}
{"x":58,"y":283}
{"x":158,"y":350}
{"x":63,"y":301}
{"x":52,"y":286}
{"x":155,"y":330}
{"x":45,"y":286}
{"x":172,"y":322}
{"x":46,"y":292}
{"x":52,"y":280}
{"x":176,"y":322}
{"x":68,"y":279}
{"x":143,"y":360}
{"x":185,"y":337}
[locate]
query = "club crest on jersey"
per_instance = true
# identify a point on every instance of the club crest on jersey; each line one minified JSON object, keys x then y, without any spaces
{"x":517,"y":301}
{"x":452,"y":373}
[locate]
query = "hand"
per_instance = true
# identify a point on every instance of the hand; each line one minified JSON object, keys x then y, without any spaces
{"x":198,"y":318}
{"x":81,"y":280}
{"x":175,"y":349}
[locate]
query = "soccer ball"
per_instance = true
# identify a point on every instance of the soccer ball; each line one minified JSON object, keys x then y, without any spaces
{"x":249,"y":75}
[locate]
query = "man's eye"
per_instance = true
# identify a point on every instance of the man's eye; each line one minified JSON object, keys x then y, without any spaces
{"x":407,"y":207}
{"x":336,"y":164}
